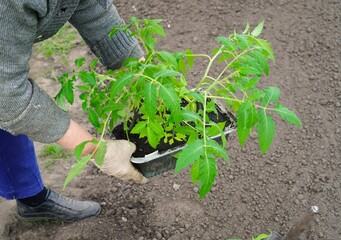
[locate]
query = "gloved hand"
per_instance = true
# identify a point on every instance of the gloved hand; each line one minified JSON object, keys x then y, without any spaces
{"x":117,"y":161}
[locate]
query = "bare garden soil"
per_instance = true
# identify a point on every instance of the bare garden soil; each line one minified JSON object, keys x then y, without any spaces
{"x":255,"y":193}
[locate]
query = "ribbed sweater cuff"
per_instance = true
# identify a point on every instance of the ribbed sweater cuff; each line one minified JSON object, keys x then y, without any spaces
{"x":113,"y":51}
{"x":42,"y":120}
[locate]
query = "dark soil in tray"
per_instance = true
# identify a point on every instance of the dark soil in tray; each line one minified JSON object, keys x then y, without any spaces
{"x":142,"y":146}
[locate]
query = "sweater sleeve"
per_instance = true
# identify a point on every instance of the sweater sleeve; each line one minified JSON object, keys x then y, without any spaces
{"x":24,"y":107}
{"x":94,"y":19}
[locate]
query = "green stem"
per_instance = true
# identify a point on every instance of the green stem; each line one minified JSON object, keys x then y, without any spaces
{"x":208,"y":69}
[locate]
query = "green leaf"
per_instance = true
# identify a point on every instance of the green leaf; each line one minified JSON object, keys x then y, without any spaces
{"x":247,"y":28}
{"x":195,"y":172}
{"x":77,"y":169}
{"x":156,"y":127}
{"x":93,"y":118}
{"x":190,"y":116}
{"x":167,"y":58}
{"x":246,"y":118}
{"x":243,"y":134}
{"x":272,"y":94}
{"x":171,"y":100}
{"x":242,"y":42}
{"x":80,"y":62}
{"x":100,"y":153}
{"x":207,"y":173}
{"x":266,"y":130}
{"x":120,"y":83}
{"x":189,"y":154}
{"x":93,"y":64}
{"x":68,"y":91}
{"x":217,"y":149}
{"x":247,"y":115}
{"x":87,"y":77}
{"x":190,"y":58}
{"x":60,"y":101}
{"x":261,"y":237}
{"x":197,"y":96}
{"x":166,"y":73}
{"x":287,"y":115}
{"x":150,"y":98}
{"x":227,"y":43}
{"x":258,"y":29}
{"x":252,"y":82}
{"x":139,"y":127}
{"x":79,"y":149}
{"x":112,"y":106}
{"x":266,"y":46}
{"x":263,"y":63}
{"x":153,"y":139}
{"x":216,"y":129}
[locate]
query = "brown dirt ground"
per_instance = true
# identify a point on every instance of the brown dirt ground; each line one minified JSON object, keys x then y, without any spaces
{"x":256,"y":193}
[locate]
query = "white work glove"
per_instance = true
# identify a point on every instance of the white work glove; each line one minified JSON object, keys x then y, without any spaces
{"x":117,"y":161}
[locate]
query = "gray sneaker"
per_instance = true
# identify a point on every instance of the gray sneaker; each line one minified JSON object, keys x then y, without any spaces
{"x":59,"y":208}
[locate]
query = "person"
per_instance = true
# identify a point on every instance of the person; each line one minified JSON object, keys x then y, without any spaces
{"x":28,"y":114}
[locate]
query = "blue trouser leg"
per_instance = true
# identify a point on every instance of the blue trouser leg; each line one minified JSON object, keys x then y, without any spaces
{"x":19,"y":171}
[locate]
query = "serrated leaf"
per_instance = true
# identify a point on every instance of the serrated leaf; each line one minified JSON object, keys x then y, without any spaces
{"x":87,"y":77}
{"x":272,"y":94}
{"x":182,"y":67}
{"x":79,"y":149}
{"x":261,"y":237}
{"x":167,"y":58}
{"x":263,"y":63}
{"x":195,"y":172}
{"x":189,"y":154}
{"x":68,"y":92}
{"x":197,"y":96}
{"x":120,"y":83}
{"x":156,"y":127}
{"x":287,"y":115}
{"x":93,"y":64}
{"x":252,"y":82}
{"x":153,"y":139}
{"x":166,"y":73}
{"x":242,"y":42}
{"x":266,"y":46}
{"x":190,"y":58}
{"x":80,"y":62}
{"x":190,"y":116}
{"x":248,"y":70}
{"x":112,"y":106}
{"x":150,"y":98}
{"x":93,"y":117}
{"x":207,"y":174}
{"x":247,"y":115}
{"x":247,"y":28}
{"x":60,"y":101}
{"x":258,"y":29}
{"x":265,"y":129}
{"x":100,"y":153}
{"x":243,"y":134}
{"x":218,"y":149}
{"x":139,"y":127}
{"x":77,"y":169}
{"x":227,"y":43}
{"x":215,"y":129}
{"x":171,"y":100}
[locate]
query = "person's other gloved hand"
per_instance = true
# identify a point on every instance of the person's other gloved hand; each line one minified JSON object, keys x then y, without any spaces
{"x":117,"y":162}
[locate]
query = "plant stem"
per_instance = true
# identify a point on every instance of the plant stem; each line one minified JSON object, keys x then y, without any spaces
{"x":208,"y":69}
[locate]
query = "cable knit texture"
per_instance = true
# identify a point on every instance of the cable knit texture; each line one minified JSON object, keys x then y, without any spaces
{"x":24,"y":107}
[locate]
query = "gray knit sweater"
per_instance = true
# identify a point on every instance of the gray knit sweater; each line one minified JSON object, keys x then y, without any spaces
{"x":24,"y":107}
